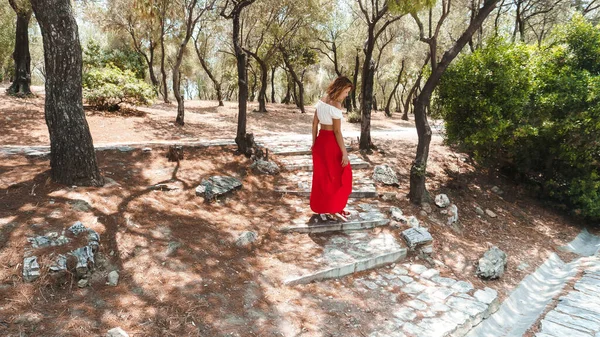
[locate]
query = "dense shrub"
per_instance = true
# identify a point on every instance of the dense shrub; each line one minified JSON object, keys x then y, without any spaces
{"x":533,"y":110}
{"x":106,"y":88}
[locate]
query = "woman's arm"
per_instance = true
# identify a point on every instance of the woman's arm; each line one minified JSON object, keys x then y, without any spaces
{"x":315,"y":128}
{"x":337,"y":130}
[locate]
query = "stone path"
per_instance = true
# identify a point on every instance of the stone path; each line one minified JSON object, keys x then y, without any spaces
{"x":421,"y":303}
{"x":576,"y":314}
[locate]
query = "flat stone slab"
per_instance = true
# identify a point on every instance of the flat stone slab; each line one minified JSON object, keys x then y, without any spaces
{"x":577,"y":313}
{"x":585,"y":244}
{"x":358,"y":219}
{"x":416,"y":236}
{"x":216,"y":186}
{"x":299,"y":183}
{"x":304,"y":162}
{"x":344,"y":254}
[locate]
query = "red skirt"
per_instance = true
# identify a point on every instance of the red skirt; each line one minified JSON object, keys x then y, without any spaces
{"x":331,"y":183}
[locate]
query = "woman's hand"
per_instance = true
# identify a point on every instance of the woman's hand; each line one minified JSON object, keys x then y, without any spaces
{"x":345,"y":160}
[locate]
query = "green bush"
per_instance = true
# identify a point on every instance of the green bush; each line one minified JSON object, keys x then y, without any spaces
{"x":106,"y":88}
{"x":534,"y":110}
{"x":123,"y":58}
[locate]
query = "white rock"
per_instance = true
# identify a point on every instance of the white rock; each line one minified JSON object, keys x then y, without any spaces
{"x":116,"y":332}
{"x":113,"y":278}
{"x":442,"y":200}
{"x":246,"y":239}
{"x":490,"y":213}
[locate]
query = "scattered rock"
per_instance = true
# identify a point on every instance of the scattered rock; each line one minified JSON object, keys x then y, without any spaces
{"x":172,"y":247}
{"x":31,"y":269}
{"x":60,"y":264}
{"x":416,"y":236}
{"x":216,"y":186}
{"x":173,"y":186}
{"x":82,"y":283}
{"x":423,"y":213}
{"x":80,"y":205}
{"x":85,"y":259}
{"x":522,"y":266}
{"x":414,"y":222}
{"x":116,"y":332}
{"x":265,"y":167}
{"x":479,"y":211}
{"x":246,"y":239}
{"x":452,"y":215}
{"x":125,"y":148}
{"x":147,"y":150}
{"x":385,"y":175}
{"x":426,"y":249}
{"x":426,"y":207}
{"x":77,"y":228}
{"x":110,"y":182}
{"x":113,"y":278}
{"x":442,"y":200}
{"x":490,"y":213}
{"x":388,"y":196}
{"x":497,"y":190}
{"x":491,"y":265}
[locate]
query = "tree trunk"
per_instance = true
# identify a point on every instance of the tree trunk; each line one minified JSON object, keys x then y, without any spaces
{"x":297,"y":81}
{"x":366,"y":104}
{"x":22,"y":76}
{"x":355,"y":80}
{"x":252,"y":90}
{"x":244,"y":141}
{"x":165,"y":89}
{"x":204,"y":65}
{"x":288,"y":93}
{"x":389,"y":101}
{"x":72,"y":156}
{"x":418,"y":192}
{"x":273,"y":69}
{"x":264,"y":78}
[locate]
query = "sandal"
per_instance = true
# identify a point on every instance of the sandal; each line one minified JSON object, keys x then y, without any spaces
{"x":341,"y":217}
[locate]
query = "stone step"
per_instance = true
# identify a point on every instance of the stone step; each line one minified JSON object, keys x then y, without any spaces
{"x":299,"y":183}
{"x":365,"y":217}
{"x":291,"y":149}
{"x":304,"y":162}
{"x":344,"y":254}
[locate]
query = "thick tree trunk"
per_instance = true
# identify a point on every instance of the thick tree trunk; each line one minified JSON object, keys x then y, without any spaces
{"x":22,"y":76}
{"x":366,"y":103}
{"x":366,"y":93}
{"x":72,"y":156}
{"x":273,"y":69}
{"x":244,"y":141}
{"x":418,"y":192}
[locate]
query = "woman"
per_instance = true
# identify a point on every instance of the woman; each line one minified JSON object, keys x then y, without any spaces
{"x":332,"y":174}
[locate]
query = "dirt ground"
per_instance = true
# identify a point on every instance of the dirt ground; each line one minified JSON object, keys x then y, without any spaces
{"x":206,"y":285}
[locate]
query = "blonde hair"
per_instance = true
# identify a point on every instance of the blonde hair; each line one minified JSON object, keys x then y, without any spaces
{"x":337,"y":86}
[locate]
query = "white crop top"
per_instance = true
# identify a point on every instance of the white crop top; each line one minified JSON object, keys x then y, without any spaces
{"x":327,"y":112}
